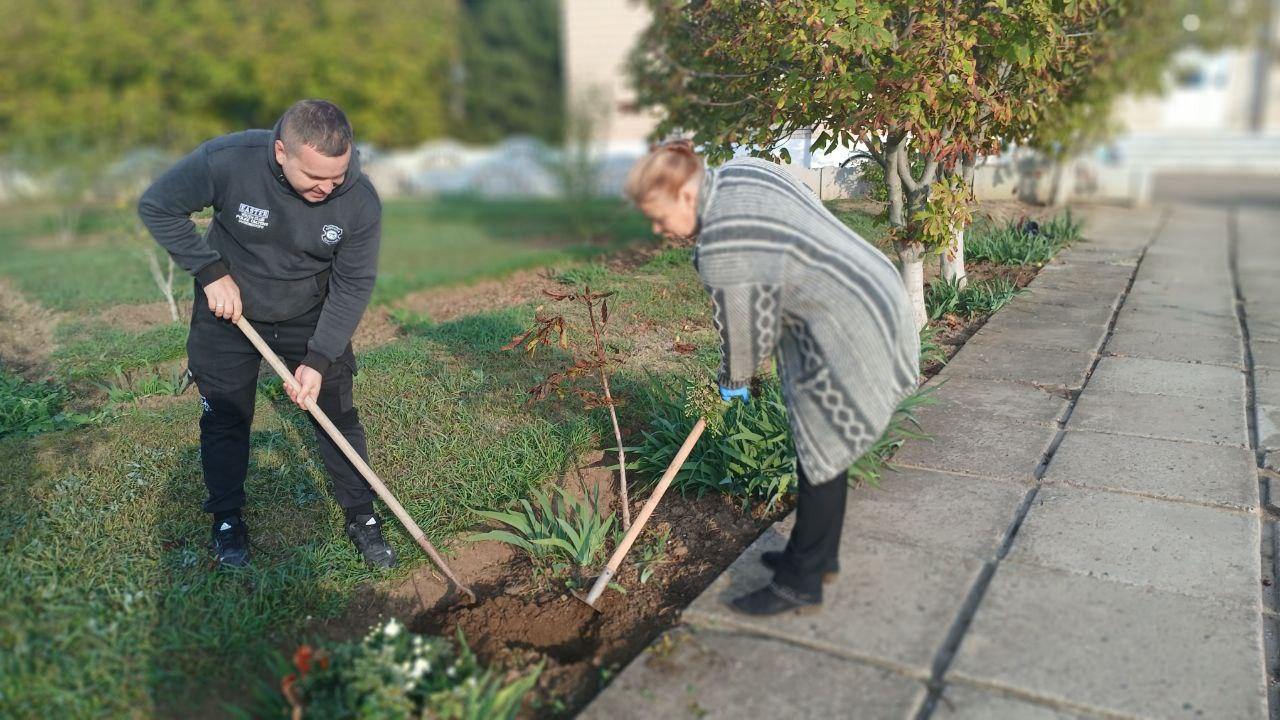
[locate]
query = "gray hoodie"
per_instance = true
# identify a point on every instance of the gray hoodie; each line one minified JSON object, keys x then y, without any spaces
{"x":286,"y":254}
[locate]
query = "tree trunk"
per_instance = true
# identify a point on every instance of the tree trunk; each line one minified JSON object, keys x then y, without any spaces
{"x":951,"y":263}
{"x":912,"y":256}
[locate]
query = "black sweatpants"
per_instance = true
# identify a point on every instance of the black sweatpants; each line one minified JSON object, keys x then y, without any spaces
{"x":224,"y":365}
{"x":815,"y":540}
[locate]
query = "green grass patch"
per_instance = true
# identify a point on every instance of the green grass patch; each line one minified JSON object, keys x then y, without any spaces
{"x":425,"y":243}
{"x":439,"y":242}
{"x":106,"y":598}
{"x":33,"y":407}
{"x":946,"y":297}
{"x":99,"y":353}
{"x":1021,"y":242}
{"x":873,"y":228}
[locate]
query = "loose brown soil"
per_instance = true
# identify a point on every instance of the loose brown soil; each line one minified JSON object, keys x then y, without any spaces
{"x":521,"y":620}
{"x":138,"y":318}
{"x":26,"y":332}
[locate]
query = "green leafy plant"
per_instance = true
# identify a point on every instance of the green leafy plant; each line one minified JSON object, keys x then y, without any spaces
{"x":946,"y":297}
{"x":931,"y":351}
{"x":394,"y":673}
{"x":35,"y":407}
{"x":1023,"y":242}
{"x":559,"y":537}
{"x":132,"y":385}
{"x":653,"y":554}
{"x":1062,"y":227}
{"x":746,"y":451}
{"x":903,"y":426}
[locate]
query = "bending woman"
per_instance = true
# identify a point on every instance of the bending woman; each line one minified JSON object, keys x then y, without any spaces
{"x":786,"y":277}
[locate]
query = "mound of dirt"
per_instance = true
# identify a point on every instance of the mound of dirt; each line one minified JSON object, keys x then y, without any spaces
{"x":521,"y":620}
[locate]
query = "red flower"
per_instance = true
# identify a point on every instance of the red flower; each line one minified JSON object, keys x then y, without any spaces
{"x":302,"y":659}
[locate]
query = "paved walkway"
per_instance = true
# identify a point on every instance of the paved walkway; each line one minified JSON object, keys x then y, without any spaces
{"x":1085,"y":537}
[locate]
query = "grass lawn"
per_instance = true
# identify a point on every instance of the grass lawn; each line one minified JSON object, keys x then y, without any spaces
{"x":425,"y":243}
{"x":107,"y":603}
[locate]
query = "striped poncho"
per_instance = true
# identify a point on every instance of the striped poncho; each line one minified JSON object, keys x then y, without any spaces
{"x":786,"y":275}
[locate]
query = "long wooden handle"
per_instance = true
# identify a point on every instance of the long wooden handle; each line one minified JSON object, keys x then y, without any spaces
{"x":367,"y":472}
{"x":620,"y":552}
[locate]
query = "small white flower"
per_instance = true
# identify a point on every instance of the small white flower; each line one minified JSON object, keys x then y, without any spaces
{"x":451,"y":672}
{"x":420,"y":668}
{"x":392,"y":629}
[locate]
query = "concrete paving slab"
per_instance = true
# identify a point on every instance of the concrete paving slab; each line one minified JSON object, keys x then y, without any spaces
{"x":980,"y":445}
{"x":1267,"y":386}
{"x":1156,"y":283}
{"x":1209,"y":302}
{"x":1191,"y":549}
{"x":710,"y":674}
{"x":1177,"y":347}
{"x":1046,"y":333}
{"x":1219,"y":421}
{"x":1264,"y":326}
{"x":1119,"y":648}
{"x":1100,"y":279}
{"x":1184,"y":276}
{"x":891,"y":604}
{"x":1060,"y":306}
{"x":961,"y":397}
{"x":907,"y":505}
{"x":964,"y":702}
{"x":1182,"y":321}
{"x":988,"y":359}
{"x":1266,"y":353}
{"x":1074,"y":298}
{"x":1165,"y":377}
{"x":1190,"y":472}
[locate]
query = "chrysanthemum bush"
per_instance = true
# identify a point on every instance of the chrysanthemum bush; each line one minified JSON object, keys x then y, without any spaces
{"x":394,"y":673}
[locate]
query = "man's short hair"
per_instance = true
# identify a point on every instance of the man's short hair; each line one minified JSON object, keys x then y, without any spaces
{"x":318,"y":123}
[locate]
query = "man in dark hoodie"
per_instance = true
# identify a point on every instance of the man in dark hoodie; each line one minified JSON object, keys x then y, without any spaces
{"x":293,"y":246}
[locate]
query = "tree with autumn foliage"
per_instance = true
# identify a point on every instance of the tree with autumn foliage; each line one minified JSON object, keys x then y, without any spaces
{"x":948,"y":80}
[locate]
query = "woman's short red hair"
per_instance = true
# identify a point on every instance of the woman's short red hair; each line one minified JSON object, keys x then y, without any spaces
{"x":665,"y":169}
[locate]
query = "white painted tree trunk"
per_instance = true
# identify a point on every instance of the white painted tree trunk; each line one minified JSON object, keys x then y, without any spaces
{"x":912,"y":257}
{"x":951,"y":263}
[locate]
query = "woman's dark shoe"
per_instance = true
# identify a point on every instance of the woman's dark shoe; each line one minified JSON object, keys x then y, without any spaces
{"x":366,"y":533}
{"x":772,"y":559}
{"x":775,"y":599}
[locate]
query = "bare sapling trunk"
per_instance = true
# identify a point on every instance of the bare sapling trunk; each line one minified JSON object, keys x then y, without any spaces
{"x":163,"y":281}
{"x":623,"y":499}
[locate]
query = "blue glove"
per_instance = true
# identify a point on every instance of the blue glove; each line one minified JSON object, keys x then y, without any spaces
{"x":730,"y":394}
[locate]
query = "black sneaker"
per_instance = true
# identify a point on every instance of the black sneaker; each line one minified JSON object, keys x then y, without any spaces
{"x":772,"y":559}
{"x":231,"y":542}
{"x":775,"y":599}
{"x":366,"y":532}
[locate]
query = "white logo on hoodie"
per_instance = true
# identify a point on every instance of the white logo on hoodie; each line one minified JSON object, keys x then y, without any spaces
{"x":252,"y":216}
{"x":330,"y":234}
